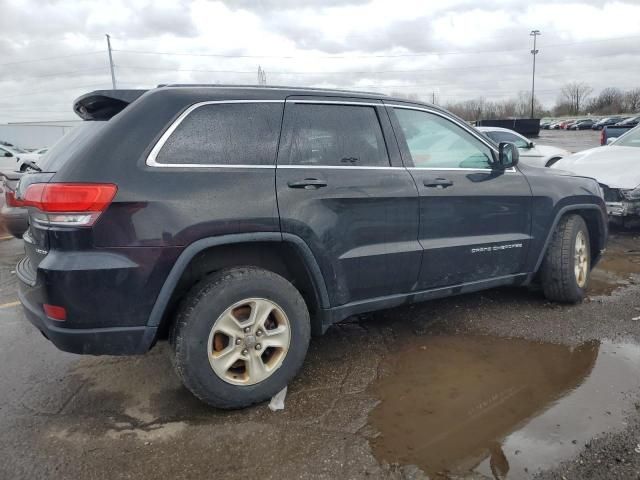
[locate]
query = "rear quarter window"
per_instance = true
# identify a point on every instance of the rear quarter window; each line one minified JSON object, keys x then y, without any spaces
{"x":225,"y":134}
{"x":71,"y":143}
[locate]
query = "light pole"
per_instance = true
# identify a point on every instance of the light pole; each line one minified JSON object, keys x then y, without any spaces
{"x":534,"y":52}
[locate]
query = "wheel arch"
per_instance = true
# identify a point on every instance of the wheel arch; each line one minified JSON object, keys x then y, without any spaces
{"x":596,"y":224}
{"x":284,"y":254}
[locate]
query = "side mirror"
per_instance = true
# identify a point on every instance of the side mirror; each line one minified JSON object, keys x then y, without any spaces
{"x":8,"y":154}
{"x":531,"y":145}
{"x":508,"y":155}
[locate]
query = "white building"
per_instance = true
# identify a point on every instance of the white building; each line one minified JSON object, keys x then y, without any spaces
{"x":34,"y":135}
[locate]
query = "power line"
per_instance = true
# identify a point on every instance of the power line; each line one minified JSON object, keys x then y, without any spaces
{"x":61,"y":74}
{"x":348,"y":72}
{"x":400,"y":55}
{"x":54,"y":91}
{"x":48,"y":58}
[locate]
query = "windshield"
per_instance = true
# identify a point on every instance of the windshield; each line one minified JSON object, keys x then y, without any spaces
{"x":629,"y":139}
{"x":69,"y":144}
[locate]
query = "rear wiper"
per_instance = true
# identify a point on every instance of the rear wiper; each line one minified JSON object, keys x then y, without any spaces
{"x":32,"y":165}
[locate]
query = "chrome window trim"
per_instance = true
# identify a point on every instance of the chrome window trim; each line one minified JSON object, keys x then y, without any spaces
{"x":151,"y":160}
{"x":507,"y":170}
{"x":340,"y":167}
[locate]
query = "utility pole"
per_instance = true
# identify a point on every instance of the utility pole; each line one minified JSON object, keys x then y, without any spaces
{"x":113,"y":75}
{"x":534,"y":52}
{"x":262,"y":76}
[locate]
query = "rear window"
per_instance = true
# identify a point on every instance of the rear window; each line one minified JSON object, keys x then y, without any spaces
{"x":226,"y":134}
{"x":69,"y":144}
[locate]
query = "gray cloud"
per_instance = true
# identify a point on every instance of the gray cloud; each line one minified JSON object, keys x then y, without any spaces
{"x":488,"y":56}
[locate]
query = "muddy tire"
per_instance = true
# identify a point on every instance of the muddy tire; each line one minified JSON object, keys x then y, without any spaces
{"x":567,"y":263}
{"x":240,"y":336}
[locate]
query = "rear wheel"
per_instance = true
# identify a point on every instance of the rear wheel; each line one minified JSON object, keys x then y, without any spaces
{"x":240,"y":337}
{"x":567,"y":263}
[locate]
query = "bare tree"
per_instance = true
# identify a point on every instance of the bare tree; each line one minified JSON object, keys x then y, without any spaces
{"x":575,"y":94}
{"x":632,"y":100}
{"x":609,"y":100}
{"x":523,"y":107}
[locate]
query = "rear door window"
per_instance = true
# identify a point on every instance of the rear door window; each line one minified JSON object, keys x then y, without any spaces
{"x":225,"y":134}
{"x":334,"y":135}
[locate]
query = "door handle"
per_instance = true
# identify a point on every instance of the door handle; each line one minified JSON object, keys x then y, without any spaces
{"x":307,"y":184}
{"x":437,"y":183}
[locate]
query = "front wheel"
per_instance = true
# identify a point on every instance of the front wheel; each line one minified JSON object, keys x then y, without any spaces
{"x":240,"y":337}
{"x":567,"y":263}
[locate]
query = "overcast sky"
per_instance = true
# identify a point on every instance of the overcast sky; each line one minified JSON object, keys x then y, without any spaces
{"x":457,"y":49}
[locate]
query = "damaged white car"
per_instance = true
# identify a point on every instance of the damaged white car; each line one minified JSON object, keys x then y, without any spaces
{"x":616,"y":167}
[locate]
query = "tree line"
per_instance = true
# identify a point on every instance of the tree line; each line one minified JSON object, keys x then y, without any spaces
{"x":575,"y":98}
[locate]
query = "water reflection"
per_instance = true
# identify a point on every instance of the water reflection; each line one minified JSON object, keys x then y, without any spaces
{"x":504,"y":407}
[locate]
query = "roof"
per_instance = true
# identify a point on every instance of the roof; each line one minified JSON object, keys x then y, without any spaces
{"x":103,"y":104}
{"x":285,"y":91}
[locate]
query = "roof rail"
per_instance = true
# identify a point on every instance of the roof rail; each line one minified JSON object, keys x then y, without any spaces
{"x":271,"y":87}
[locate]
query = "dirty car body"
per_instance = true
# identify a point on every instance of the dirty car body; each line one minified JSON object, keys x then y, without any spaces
{"x":352,"y":202}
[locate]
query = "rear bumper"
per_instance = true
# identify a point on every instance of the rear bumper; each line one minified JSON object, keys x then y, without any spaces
{"x":91,"y":341}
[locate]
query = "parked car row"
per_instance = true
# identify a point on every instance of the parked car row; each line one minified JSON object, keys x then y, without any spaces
{"x":590,"y":124}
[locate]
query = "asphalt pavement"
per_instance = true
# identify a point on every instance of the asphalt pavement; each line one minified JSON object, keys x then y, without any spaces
{"x":497,"y":384}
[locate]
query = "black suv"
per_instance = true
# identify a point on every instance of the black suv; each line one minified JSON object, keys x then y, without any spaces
{"x":237,"y":221}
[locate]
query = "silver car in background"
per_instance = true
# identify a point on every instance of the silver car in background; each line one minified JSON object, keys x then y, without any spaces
{"x":530,"y":153}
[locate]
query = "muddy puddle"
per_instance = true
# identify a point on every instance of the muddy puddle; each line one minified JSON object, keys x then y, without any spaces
{"x":502,"y":408}
{"x":619,"y":266}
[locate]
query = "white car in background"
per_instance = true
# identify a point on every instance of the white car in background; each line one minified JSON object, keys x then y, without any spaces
{"x":530,"y":153}
{"x":616,"y":167}
{"x":12,"y":158}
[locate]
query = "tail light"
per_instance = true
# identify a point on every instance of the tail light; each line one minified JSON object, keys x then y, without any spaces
{"x":602,"y":137}
{"x":11,"y":200}
{"x":68,"y":204}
